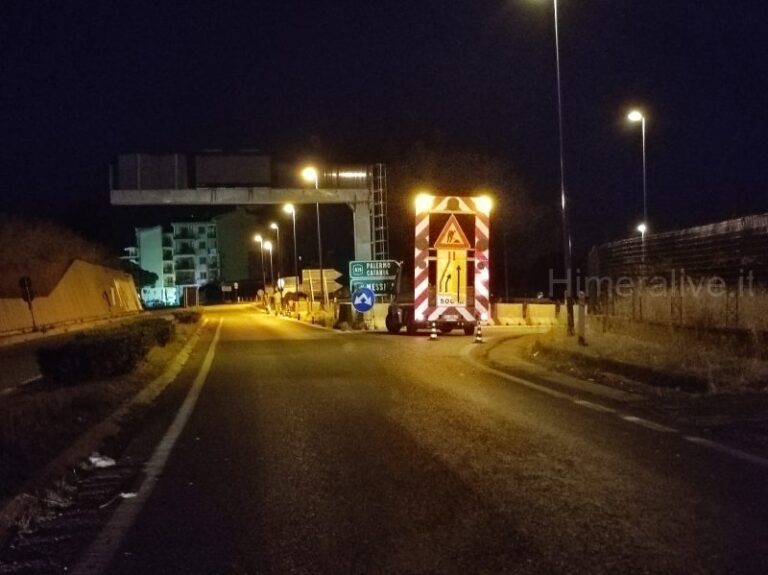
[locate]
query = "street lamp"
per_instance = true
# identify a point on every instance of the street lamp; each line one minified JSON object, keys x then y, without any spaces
{"x":268,"y":247}
{"x":567,"y":243}
{"x":260,"y":240}
{"x":642,"y":228}
{"x":638,"y":116}
{"x":274,"y":226}
{"x":289,"y":209}
{"x":310,"y":175}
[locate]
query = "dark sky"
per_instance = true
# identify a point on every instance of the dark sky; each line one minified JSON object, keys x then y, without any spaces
{"x":363,"y":81}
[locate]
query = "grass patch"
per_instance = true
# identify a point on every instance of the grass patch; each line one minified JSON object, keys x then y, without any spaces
{"x":673,"y":360}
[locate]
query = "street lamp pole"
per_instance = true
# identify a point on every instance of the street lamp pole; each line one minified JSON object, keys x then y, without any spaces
{"x":289,"y":209}
{"x":638,"y":116}
{"x":310,"y":175}
{"x":268,"y":247}
{"x":258,"y":238}
{"x":567,"y":244}
{"x":274,"y":226}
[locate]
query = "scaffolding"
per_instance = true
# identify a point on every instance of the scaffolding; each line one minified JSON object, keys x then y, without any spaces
{"x":377,"y":182}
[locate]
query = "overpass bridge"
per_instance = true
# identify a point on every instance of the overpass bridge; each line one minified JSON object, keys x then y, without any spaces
{"x":167,"y":184}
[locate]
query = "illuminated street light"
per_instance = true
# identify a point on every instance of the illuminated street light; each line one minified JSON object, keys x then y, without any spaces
{"x":642,"y":228}
{"x":274,"y":226}
{"x":268,"y":247}
{"x":638,"y":116}
{"x":310,"y":175}
{"x":260,"y":240}
{"x":289,"y":209}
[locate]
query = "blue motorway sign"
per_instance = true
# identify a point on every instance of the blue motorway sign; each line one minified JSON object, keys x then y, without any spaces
{"x":363,"y":299}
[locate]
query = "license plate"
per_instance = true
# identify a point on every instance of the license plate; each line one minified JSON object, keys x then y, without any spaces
{"x":450,"y":318}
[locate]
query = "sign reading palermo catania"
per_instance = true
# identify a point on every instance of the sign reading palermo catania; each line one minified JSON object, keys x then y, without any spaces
{"x":380,"y":269}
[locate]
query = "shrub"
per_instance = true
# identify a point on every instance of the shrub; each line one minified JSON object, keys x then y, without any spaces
{"x":103,"y":353}
{"x":161,"y":330}
{"x":188,"y":315}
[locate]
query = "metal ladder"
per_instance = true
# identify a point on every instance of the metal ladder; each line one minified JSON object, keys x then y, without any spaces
{"x":378,"y":186}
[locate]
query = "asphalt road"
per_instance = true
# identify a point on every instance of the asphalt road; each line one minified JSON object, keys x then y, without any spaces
{"x":311,"y":451}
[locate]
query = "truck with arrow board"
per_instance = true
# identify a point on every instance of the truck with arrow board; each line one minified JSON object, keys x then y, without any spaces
{"x":451,"y":275}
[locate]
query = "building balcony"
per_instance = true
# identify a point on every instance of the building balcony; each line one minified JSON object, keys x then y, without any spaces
{"x":185,"y":278}
{"x":183,"y":265}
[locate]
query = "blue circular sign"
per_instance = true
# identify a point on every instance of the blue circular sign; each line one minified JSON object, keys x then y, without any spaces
{"x":363,"y":299}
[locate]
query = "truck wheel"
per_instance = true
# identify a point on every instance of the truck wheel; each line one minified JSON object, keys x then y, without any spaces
{"x":469,"y":329}
{"x":410,"y":326}
{"x":393,"y":326}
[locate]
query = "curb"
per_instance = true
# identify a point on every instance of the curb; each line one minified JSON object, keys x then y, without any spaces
{"x":90,"y":440}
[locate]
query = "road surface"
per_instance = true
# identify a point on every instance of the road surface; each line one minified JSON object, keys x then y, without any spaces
{"x":311,"y":451}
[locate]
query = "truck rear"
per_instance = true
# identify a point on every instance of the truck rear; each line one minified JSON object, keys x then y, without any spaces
{"x":448,"y":285}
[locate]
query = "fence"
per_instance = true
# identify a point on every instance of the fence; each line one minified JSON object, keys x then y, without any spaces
{"x":712,"y":277}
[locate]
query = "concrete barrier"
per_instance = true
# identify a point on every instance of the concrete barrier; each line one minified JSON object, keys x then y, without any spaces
{"x":508,"y":314}
{"x":541,"y":314}
{"x":379,"y":316}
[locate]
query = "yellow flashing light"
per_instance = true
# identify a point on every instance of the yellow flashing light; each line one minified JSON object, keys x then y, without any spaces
{"x":424,"y":202}
{"x":484,"y":204}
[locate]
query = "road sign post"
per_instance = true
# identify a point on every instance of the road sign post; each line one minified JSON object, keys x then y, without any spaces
{"x":329,"y":278}
{"x":28,"y":294}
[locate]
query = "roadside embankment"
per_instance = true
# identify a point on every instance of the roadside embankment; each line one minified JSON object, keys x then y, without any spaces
{"x":48,"y":427}
{"x":671,"y":361}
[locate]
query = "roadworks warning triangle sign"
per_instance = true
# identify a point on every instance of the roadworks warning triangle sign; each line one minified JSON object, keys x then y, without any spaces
{"x":452,"y":237}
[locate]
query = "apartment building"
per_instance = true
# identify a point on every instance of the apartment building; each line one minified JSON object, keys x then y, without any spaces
{"x":182,"y":254}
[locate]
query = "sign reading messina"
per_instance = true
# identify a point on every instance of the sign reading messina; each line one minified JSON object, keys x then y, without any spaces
{"x":377,"y":286}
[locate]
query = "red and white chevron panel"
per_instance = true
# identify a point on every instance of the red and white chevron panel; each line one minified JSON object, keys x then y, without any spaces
{"x":421,"y":266}
{"x":482,"y":262}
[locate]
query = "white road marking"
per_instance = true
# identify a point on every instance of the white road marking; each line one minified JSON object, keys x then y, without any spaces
{"x":97,"y":558}
{"x":595,"y":406}
{"x":33,"y":379}
{"x":648,"y":424}
{"x":466,"y":353}
{"x":738,"y":453}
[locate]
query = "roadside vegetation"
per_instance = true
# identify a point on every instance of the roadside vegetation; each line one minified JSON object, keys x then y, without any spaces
{"x":84,"y":381}
{"x":103,"y":352}
{"x":673,"y":360}
{"x":42,"y":251}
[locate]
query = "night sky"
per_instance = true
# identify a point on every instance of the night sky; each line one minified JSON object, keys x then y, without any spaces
{"x":345,"y":81}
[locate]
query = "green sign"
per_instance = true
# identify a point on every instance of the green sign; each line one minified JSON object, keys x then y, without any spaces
{"x":369,"y":269}
{"x":379,"y":286}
